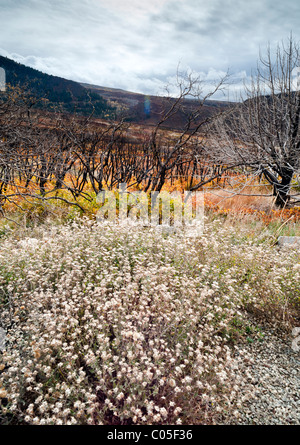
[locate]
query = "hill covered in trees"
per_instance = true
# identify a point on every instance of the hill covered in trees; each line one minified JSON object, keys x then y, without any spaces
{"x":67,"y":95}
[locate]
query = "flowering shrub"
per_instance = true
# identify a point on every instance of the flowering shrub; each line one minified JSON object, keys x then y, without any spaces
{"x":107,"y":325}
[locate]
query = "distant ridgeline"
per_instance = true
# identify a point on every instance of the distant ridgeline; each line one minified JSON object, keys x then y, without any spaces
{"x":66,"y":95}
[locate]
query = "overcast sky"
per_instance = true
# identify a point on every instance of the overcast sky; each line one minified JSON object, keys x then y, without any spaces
{"x":137,"y":44}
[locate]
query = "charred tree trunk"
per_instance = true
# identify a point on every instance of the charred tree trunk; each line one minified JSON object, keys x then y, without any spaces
{"x":281,"y":190}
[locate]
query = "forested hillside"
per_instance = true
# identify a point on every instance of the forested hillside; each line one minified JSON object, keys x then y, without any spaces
{"x":61,"y":93}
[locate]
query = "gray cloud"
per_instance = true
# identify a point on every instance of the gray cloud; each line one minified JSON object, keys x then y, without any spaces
{"x":137,"y":45}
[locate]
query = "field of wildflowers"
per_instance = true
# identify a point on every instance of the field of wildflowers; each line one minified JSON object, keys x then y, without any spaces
{"x":106,"y":325}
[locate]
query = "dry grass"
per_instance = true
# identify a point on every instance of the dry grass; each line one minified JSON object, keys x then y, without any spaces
{"x":251,"y":198}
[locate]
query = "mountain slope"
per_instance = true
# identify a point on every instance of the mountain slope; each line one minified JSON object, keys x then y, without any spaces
{"x":145,"y":109}
{"x":104,"y":102}
{"x":69,"y":95}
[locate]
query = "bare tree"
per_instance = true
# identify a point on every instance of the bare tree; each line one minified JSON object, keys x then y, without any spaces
{"x":35,"y":154}
{"x":262,"y":131}
{"x":47,"y":156}
{"x":186,"y":153}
